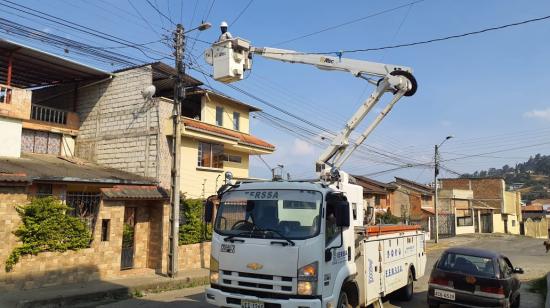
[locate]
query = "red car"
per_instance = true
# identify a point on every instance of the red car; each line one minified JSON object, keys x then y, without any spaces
{"x":471,"y":277}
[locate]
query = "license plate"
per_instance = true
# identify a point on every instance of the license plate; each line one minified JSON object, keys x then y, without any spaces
{"x":251,"y":304}
{"x":444,"y":294}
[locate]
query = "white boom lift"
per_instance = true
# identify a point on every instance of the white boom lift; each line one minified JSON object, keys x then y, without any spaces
{"x":232,"y":57}
{"x":309,"y":243}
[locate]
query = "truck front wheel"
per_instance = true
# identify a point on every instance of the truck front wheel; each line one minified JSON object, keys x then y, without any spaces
{"x":406,"y":292}
{"x":343,"y":300}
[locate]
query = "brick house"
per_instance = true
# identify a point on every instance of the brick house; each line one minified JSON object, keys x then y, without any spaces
{"x":495,"y":210}
{"x":411,"y":200}
{"x":375,"y":193}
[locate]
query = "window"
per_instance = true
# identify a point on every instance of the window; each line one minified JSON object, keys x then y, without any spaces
{"x":40,"y":142}
{"x":219,"y":116}
{"x":469,"y":265}
{"x":5,"y":95}
{"x":464,"y":217}
{"x":506,"y":268}
{"x":105,"y":229}
{"x":513,"y":223}
{"x":44,"y":190}
{"x":377,"y":200}
{"x":236,"y":120}
{"x":232,"y":158}
{"x":210,"y":155}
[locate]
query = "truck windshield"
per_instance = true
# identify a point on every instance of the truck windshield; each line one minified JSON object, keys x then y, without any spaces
{"x":292,"y":214}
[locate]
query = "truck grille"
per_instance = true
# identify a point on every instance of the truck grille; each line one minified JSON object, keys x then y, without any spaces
{"x":258,"y":282}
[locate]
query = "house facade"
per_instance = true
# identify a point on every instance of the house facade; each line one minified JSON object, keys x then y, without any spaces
{"x":93,"y":140}
{"x":410,"y":200}
{"x":495,"y":209}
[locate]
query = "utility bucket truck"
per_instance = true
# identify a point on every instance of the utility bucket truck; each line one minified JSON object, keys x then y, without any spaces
{"x":309,"y":243}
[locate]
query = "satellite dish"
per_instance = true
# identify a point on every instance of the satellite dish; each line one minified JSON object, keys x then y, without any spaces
{"x":148,"y":92}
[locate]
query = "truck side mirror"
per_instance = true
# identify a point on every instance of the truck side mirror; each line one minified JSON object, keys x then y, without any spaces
{"x":208,"y":211}
{"x":338,"y":205}
{"x":342,"y":214}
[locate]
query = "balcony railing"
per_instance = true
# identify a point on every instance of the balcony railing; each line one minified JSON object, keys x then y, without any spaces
{"x":5,"y":94}
{"x":48,"y":114}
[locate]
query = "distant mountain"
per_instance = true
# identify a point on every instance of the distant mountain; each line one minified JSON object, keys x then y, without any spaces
{"x":532,"y":177}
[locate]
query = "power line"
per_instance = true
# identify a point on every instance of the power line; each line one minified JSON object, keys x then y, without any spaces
{"x":450,"y":37}
{"x":160,"y":13}
{"x":143,"y":18}
{"x":347,"y":23}
{"x":241,"y":13}
{"x":77,"y":27}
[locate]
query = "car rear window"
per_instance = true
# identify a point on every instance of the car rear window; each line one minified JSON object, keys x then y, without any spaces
{"x":471,"y":265}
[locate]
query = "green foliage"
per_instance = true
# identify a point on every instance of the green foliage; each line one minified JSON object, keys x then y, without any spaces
{"x":194,"y":230}
{"x":127,"y":236}
{"x":45,"y":226}
{"x":387,"y":218}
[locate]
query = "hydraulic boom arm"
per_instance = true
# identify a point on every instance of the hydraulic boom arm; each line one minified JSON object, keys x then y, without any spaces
{"x":231,"y":57}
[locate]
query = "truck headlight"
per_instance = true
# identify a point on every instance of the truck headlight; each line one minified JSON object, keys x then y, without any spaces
{"x":307,"y":279}
{"x":214,"y":270}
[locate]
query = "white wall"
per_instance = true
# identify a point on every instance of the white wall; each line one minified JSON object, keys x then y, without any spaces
{"x":10,"y":137}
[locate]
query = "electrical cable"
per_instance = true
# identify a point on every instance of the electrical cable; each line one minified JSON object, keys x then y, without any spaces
{"x":346,"y":23}
{"x":241,"y":13}
{"x":155,"y":7}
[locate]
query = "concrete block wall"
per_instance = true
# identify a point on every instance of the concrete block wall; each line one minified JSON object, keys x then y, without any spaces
{"x":119,"y":128}
{"x":194,"y":256}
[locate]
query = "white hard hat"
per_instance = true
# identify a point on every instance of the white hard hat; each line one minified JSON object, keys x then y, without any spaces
{"x":223,"y":24}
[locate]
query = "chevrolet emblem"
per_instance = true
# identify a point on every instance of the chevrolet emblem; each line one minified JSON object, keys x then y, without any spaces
{"x":254,"y":266}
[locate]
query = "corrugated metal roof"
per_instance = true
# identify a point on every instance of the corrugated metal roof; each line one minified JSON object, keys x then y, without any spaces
{"x":34,"y":68}
{"x":55,"y":169}
{"x":124,"y":192}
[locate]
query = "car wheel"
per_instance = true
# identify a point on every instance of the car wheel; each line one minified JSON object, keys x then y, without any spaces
{"x":406,"y":293}
{"x":516,"y":302}
{"x":343,"y":300}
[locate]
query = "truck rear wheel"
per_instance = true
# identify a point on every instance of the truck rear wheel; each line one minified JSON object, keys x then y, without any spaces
{"x":406,"y":293}
{"x":343,"y":301}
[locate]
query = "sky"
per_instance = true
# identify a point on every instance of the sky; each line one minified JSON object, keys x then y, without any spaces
{"x":487,"y":90}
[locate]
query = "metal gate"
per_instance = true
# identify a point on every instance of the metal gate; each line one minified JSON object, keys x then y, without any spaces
{"x":486,"y":223}
{"x":446,"y":225}
{"x":128,"y":238}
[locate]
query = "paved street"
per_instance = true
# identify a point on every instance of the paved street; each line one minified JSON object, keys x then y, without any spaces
{"x":523,"y":252}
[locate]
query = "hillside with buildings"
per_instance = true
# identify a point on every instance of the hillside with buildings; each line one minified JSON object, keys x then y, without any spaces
{"x":531,"y":178}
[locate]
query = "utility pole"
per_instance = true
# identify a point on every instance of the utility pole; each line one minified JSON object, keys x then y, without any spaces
{"x":436,"y":195}
{"x":436,"y":173}
{"x":179,"y":96}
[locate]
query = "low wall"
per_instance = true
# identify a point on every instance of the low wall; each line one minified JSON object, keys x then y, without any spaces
{"x":536,"y":229}
{"x":194,"y":256}
{"x":101,"y":261}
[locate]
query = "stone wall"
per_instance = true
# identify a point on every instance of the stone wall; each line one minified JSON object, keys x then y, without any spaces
{"x":194,"y":256}
{"x":119,"y":128}
{"x":101,"y":261}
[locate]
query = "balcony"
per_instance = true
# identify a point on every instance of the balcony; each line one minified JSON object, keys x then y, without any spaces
{"x":55,"y":117}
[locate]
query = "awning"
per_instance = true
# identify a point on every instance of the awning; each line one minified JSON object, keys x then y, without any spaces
{"x":129,"y":192}
{"x":34,"y":68}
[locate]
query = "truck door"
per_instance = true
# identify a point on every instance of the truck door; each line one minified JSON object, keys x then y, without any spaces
{"x":373,"y":279}
{"x":421,"y":255}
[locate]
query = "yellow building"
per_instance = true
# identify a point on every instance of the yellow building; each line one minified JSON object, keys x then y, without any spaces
{"x":215,"y":138}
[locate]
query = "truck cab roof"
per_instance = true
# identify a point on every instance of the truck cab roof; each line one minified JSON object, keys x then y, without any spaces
{"x":274,"y":185}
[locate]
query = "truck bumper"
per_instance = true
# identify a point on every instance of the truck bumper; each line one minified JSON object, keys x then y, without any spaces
{"x":226,"y":299}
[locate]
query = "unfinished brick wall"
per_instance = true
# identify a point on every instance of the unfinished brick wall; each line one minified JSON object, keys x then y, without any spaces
{"x":489,"y":191}
{"x":120,"y":129}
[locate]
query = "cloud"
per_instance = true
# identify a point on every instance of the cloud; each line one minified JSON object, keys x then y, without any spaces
{"x":543,"y":114}
{"x":301,"y":148}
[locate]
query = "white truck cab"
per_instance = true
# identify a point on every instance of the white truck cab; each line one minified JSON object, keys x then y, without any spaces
{"x":303,"y":244}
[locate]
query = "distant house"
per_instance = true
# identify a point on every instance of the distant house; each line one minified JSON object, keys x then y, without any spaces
{"x":496,"y":210}
{"x":375,"y":194}
{"x":410,"y":200}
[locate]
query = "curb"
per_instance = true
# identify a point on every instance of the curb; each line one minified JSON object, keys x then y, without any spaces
{"x":547,"y":305}
{"x":93,"y":299}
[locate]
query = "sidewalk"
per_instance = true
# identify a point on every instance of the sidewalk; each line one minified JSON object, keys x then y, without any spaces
{"x":93,"y":293}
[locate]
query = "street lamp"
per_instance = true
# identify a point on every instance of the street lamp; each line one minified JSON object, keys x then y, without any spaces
{"x":179,"y":97}
{"x":436,"y":173}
